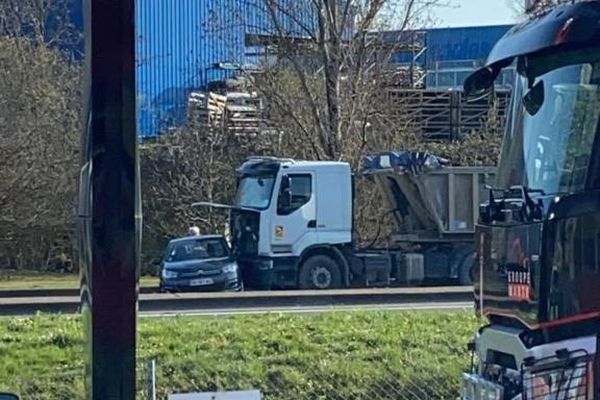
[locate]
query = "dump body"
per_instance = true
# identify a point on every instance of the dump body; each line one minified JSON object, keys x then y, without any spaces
{"x":431,"y":202}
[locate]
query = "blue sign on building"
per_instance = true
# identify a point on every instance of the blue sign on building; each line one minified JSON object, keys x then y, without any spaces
{"x":470,"y":43}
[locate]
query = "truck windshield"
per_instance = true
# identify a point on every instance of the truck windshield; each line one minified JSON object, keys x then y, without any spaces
{"x":255,"y":191}
{"x":549,"y":148}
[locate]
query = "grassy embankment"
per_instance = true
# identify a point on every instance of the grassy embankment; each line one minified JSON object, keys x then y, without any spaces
{"x":13,"y":280}
{"x":417,"y":355}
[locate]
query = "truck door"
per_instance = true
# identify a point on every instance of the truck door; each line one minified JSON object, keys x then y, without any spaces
{"x":294,"y":220}
{"x":334,"y":213}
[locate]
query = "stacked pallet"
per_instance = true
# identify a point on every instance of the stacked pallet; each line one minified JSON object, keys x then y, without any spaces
{"x":239,"y":113}
{"x":444,"y":115}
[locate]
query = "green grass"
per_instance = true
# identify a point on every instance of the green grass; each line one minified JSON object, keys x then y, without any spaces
{"x":331,"y":356}
{"x":13,"y":280}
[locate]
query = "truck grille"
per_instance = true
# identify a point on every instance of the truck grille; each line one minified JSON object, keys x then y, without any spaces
{"x":474,"y":387}
{"x":561,"y":377}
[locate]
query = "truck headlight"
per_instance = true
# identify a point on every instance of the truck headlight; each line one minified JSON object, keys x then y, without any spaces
{"x":169,"y":274}
{"x":230,"y":268}
{"x":474,"y":387}
{"x":492,"y":391}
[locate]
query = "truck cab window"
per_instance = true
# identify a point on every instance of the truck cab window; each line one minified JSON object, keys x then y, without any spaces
{"x":294,"y":193}
{"x":550,"y":149}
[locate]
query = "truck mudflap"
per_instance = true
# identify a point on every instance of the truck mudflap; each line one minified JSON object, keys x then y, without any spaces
{"x":562,"y":376}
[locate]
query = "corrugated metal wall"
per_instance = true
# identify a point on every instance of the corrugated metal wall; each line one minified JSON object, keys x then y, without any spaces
{"x":178,"y":43}
{"x":295,"y":17}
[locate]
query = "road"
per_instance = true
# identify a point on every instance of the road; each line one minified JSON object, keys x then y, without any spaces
{"x":397,"y":299}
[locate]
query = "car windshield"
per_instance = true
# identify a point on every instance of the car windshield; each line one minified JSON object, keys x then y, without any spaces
{"x":549,"y":148}
{"x":255,"y":191}
{"x":196,"y":249}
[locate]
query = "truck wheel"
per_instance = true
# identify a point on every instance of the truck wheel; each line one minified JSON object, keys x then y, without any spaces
{"x":465,"y":276}
{"x":320,"y":272}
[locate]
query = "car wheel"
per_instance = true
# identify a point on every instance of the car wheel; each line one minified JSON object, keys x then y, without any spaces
{"x":320,"y":272}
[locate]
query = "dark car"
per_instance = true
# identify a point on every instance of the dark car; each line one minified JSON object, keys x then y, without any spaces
{"x":199,"y":263}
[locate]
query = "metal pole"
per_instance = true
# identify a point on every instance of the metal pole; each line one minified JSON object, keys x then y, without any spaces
{"x":151,"y":379}
{"x":109,"y":215}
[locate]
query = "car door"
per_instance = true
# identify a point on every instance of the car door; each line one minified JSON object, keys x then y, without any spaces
{"x":294,"y":222}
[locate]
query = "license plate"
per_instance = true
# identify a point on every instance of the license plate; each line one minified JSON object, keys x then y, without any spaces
{"x":201,"y":282}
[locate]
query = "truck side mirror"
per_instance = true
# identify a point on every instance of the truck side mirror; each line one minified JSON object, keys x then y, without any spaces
{"x":480,"y":83}
{"x":534,"y":98}
{"x":285,"y":194}
{"x":285,"y":183}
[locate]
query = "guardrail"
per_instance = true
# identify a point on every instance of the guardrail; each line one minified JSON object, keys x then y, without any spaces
{"x":249,"y":300}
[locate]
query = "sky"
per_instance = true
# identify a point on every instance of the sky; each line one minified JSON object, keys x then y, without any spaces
{"x":475,"y":12}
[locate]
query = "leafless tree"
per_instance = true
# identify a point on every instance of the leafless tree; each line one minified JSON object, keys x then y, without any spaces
{"x":325,"y":65}
{"x":44,"y":22}
{"x":325,"y":71}
{"x":535,"y":7}
{"x":192,"y":164}
{"x":39,"y":137}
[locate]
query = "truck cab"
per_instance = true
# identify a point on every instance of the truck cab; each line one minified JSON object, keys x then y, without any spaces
{"x":538,"y":237}
{"x":289,"y":212}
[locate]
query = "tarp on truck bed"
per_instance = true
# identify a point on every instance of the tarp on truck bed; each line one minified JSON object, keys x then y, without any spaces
{"x":429,"y":199}
{"x":405,"y":161}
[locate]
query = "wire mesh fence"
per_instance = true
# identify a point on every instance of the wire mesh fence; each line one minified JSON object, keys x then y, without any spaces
{"x":59,"y":384}
{"x":322,"y":381}
{"x":50,"y":385}
{"x":155,"y":380}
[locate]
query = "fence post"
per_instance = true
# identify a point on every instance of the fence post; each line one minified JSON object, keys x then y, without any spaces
{"x":151,"y":379}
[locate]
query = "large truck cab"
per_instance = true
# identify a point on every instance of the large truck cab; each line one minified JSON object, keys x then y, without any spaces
{"x":538,"y":236}
{"x":287,"y":211}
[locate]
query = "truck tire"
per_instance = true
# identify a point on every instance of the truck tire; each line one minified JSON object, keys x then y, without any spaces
{"x":465,"y":273}
{"x":319,"y":272}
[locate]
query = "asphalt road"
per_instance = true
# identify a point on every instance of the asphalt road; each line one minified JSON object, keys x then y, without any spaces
{"x":262,"y":302}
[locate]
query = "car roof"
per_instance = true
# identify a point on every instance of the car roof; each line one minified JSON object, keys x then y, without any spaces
{"x":185,"y":238}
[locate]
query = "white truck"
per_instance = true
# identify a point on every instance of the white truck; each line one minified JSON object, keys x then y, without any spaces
{"x":292,"y":222}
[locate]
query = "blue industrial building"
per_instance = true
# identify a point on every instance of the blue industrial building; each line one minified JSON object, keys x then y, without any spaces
{"x":180,"y":45}
{"x":178,"y":48}
{"x":453,"y":53}
{"x":186,"y":44}
{"x":448,"y":55}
